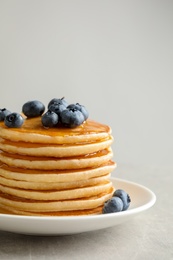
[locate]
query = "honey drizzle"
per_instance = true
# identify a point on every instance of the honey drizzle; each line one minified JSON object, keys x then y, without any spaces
{"x":34,"y":125}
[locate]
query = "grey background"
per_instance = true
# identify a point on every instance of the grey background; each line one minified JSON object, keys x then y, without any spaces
{"x":114,"y":57}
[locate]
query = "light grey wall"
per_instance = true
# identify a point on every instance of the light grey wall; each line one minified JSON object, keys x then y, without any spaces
{"x":115,"y":57}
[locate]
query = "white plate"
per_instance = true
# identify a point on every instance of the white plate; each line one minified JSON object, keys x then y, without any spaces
{"x":141,"y":199}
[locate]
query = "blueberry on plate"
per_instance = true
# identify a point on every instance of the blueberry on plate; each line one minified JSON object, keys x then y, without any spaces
{"x":113,"y":205}
{"x":124,"y":197}
{"x":3,"y":113}
{"x":49,"y":119}
{"x":58,"y":101}
{"x":81,"y":108}
{"x":14,"y":120}
{"x":71,"y":117}
{"x":33,"y":108}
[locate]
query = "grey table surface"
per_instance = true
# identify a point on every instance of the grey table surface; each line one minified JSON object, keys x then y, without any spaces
{"x":148,"y":235}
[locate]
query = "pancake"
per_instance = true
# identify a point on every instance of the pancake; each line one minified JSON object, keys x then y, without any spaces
{"x":26,"y":185}
{"x":50,"y":163}
{"x":66,"y":194}
{"x":54,"y":206}
{"x":10,"y":210}
{"x":53,"y":150}
{"x":32,"y":131}
{"x":52,"y":176}
{"x":55,"y":171}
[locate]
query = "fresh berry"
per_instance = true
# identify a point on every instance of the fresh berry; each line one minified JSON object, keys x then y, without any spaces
{"x":114,"y":204}
{"x":81,"y":108}
{"x":3,"y":113}
{"x":57,"y":108}
{"x":71,"y":118}
{"x":14,"y":120}
{"x":124,"y":197}
{"x":49,"y":119}
{"x":33,"y":108}
{"x":58,"y":101}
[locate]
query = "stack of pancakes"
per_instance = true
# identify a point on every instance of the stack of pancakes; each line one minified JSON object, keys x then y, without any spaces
{"x":55,"y":171}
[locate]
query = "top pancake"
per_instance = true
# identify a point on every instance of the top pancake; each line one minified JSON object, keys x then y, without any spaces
{"x":33,"y":131}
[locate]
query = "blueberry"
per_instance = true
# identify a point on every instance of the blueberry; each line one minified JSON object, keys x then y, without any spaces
{"x":81,"y":108}
{"x":49,"y":119}
{"x":3,"y":113}
{"x":57,"y":108}
{"x":114,"y":204}
{"x":71,"y":118}
{"x":58,"y":101}
{"x":124,"y":197}
{"x":33,"y":108}
{"x":14,"y":120}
